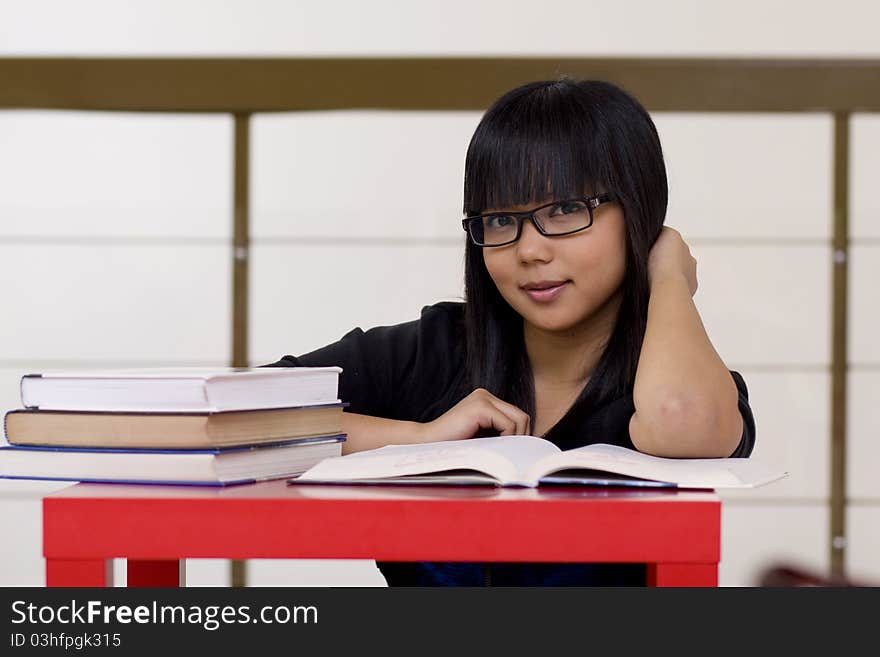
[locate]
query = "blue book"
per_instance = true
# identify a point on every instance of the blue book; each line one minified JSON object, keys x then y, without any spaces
{"x":194,"y":467}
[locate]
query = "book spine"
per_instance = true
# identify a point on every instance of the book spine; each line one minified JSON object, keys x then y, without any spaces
{"x":21,"y":392}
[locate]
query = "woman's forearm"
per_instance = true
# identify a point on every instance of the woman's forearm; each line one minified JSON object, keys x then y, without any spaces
{"x":367,"y":432}
{"x":479,"y":411}
{"x":684,"y":395}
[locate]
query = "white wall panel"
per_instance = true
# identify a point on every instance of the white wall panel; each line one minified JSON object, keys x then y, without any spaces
{"x":70,"y":302}
{"x":314,"y":572}
{"x":864,"y":304}
{"x":360,"y":174}
{"x":863,"y":436}
{"x":81,"y":175}
{"x":748,"y":175}
{"x":21,"y":550}
{"x":792,"y":423}
{"x":306,"y":297}
{"x":863,"y":544}
{"x":400,"y":174}
{"x":755,"y":537}
{"x":864,"y":176}
{"x":309,"y":27}
{"x":765,"y":305}
{"x":207,"y":572}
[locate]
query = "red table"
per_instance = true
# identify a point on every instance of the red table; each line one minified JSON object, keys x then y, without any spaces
{"x":155,"y":527}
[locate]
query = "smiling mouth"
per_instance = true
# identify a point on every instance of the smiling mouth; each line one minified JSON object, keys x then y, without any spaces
{"x":544,"y":292}
{"x":543,"y":285}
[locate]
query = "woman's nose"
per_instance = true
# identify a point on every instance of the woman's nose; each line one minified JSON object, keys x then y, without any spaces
{"x":532,"y":245}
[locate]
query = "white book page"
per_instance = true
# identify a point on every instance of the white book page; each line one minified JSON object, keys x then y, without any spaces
{"x":688,"y":473}
{"x":505,"y":458}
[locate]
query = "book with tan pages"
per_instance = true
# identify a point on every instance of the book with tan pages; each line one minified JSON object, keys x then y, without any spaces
{"x":170,"y":430}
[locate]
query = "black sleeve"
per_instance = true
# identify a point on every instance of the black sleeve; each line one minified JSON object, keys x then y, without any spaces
{"x":366,"y":359}
{"x":390,"y":371}
{"x":747,"y":442}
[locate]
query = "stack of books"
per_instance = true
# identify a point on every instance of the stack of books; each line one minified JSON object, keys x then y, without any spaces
{"x":191,"y":426}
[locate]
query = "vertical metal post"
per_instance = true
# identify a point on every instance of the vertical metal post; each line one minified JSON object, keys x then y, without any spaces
{"x":240,"y":271}
{"x":241,"y":242}
{"x":839,"y":364}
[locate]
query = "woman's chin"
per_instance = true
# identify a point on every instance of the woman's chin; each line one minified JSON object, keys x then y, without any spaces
{"x":550,"y":324}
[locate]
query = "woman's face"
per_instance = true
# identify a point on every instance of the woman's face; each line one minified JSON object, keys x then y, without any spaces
{"x":558,"y":283}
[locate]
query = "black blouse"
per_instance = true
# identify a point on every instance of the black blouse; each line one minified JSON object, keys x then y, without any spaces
{"x":416,"y":371}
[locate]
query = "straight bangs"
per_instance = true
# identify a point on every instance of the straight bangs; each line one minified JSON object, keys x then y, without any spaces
{"x":534,"y":145}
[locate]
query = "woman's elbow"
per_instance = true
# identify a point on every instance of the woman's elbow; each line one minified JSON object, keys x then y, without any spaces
{"x":688,"y":428}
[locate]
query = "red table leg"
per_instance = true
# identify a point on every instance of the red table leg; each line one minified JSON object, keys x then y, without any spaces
{"x":155,"y":573}
{"x":682,"y":574}
{"x":79,"y":572}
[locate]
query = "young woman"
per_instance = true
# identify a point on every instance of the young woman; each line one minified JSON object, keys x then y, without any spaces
{"x":578,"y":323}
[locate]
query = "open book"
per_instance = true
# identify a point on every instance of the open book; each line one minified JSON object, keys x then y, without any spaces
{"x":531,"y":461}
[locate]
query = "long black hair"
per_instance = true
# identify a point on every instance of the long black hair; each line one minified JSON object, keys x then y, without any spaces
{"x":560,"y":139}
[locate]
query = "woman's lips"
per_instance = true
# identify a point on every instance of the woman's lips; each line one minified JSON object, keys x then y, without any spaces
{"x":546,"y":294}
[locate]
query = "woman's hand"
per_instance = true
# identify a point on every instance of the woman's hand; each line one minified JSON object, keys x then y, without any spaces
{"x":670,"y":255}
{"x":479,"y":412}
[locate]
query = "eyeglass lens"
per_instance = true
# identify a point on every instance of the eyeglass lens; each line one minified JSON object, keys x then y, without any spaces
{"x":555,"y":219}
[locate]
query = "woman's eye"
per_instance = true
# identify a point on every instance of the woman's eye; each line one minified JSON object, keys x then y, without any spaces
{"x":502,"y":221}
{"x":572,"y":207}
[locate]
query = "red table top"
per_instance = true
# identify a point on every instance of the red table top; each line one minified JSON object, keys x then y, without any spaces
{"x":394,"y":522}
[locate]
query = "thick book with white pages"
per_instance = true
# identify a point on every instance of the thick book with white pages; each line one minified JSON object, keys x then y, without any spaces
{"x":181,"y":390}
{"x":531,"y":461}
{"x":195,"y":467}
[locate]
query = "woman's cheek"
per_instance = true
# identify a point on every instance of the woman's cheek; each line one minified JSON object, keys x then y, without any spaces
{"x":498,"y":273}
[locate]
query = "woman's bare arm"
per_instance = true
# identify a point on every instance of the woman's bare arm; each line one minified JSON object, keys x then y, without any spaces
{"x":684,"y":394}
{"x":479,"y":411}
{"x":367,"y":432}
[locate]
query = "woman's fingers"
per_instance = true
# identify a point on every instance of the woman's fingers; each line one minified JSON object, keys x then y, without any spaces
{"x":519,"y":420}
{"x":493,"y":418}
{"x":479,"y":412}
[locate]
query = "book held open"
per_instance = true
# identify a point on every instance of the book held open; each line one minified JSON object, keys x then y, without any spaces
{"x":531,"y":461}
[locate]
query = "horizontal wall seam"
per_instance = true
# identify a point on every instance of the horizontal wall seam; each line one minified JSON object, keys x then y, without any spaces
{"x":103,"y":240}
{"x":776,"y":501}
{"x":372,"y":241}
{"x":46,"y":363}
{"x":17,"y":362}
{"x":768,"y":368}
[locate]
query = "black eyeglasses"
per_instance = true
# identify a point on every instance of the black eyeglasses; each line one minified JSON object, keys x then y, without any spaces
{"x":552,"y":219}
